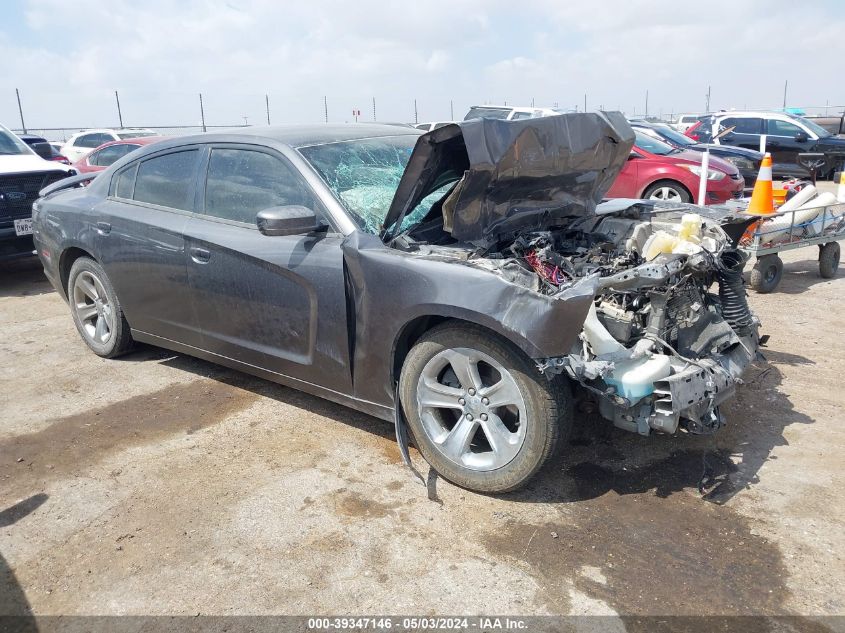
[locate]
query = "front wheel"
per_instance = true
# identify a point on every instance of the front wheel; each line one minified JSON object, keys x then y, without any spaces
{"x":479,"y":410}
{"x":668,"y":190}
{"x":96,"y":310}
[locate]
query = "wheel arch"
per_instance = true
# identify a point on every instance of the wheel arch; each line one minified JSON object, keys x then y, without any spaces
{"x":668,"y":180}
{"x":66,"y":260}
{"x":415,"y":328}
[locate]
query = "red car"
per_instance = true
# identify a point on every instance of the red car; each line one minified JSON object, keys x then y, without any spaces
{"x":108,"y":153}
{"x":658,"y":171}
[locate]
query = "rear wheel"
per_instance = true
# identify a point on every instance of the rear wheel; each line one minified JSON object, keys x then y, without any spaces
{"x":96,"y":310}
{"x":767,"y":273}
{"x":479,"y":410}
{"x":829,"y":260}
{"x":668,"y":190}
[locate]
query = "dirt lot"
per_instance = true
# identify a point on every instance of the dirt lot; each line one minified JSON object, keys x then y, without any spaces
{"x":159,"y":483}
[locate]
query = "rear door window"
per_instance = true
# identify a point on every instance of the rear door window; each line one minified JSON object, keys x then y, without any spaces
{"x":93,"y":140}
{"x":743,"y":125}
{"x":242,"y":182}
{"x":168,"y":180}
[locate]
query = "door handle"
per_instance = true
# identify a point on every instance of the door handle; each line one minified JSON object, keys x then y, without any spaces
{"x":103,"y":228}
{"x":200,"y":255}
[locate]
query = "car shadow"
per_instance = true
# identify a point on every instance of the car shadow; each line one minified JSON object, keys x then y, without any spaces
{"x":15,"y":611}
{"x":23,"y":277}
{"x":601,"y":458}
{"x":265,"y":388}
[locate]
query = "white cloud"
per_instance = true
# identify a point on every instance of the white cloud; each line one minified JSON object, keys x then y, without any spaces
{"x":159,"y":54}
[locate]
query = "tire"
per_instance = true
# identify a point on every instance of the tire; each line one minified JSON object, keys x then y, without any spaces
{"x":767,"y":273}
{"x":532,"y":417}
{"x":829,"y":260}
{"x":96,"y":310}
{"x":670,"y":190}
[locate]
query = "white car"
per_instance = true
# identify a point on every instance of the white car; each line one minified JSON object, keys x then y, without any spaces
{"x":83,"y":142}
{"x":685,"y":121}
{"x":23,"y":173}
{"x":509,"y":113}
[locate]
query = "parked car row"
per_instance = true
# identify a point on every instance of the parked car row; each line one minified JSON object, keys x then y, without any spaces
{"x":663,"y":165}
{"x":747,"y":161}
{"x":782,"y":134}
{"x":81,"y":143}
{"x":29,"y":162}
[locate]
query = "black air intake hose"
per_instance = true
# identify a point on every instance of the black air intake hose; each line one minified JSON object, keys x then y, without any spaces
{"x":735,"y":308}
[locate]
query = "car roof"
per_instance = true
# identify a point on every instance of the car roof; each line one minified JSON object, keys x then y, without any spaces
{"x":754,"y":113}
{"x":110,"y":130}
{"x":141,"y":140}
{"x":314,"y":134}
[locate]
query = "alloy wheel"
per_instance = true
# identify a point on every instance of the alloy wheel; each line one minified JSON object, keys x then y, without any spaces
{"x":666,"y":193}
{"x":471,"y":408}
{"x":92,"y":307}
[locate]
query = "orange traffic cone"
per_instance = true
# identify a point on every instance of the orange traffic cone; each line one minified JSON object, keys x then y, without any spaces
{"x":762,"y":201}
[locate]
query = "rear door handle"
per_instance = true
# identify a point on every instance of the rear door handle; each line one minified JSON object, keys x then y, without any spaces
{"x":200,"y":255}
{"x":103,"y":228}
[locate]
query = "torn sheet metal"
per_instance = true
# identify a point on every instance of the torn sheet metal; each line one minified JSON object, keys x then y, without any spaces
{"x":390,"y":289}
{"x":517,"y":175}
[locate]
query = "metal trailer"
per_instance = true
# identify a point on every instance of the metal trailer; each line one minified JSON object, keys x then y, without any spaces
{"x":764,"y":242}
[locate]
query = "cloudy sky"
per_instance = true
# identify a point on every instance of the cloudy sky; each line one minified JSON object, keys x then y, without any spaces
{"x":68,"y":58}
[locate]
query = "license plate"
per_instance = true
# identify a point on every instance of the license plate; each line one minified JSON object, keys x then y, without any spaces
{"x":23,"y":226}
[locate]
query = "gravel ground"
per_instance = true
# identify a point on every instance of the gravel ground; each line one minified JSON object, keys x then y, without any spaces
{"x":162,"y":484}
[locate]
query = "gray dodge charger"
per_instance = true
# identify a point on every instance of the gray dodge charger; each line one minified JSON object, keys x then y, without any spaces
{"x":468,"y":285}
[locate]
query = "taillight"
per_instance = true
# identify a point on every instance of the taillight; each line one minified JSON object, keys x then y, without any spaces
{"x":60,"y":159}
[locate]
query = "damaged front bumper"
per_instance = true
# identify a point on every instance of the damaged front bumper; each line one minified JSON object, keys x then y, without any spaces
{"x":688,"y":398}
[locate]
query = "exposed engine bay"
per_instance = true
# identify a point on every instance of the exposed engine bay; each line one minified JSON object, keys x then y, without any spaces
{"x":669,"y":332}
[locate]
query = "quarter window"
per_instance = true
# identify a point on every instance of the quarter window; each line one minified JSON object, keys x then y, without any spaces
{"x":125,"y":182}
{"x":167,"y":180}
{"x":243,"y":182}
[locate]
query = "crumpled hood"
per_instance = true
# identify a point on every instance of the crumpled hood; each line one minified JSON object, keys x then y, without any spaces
{"x":517,"y":175}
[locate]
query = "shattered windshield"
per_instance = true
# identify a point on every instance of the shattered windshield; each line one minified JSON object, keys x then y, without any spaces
{"x":364,"y":175}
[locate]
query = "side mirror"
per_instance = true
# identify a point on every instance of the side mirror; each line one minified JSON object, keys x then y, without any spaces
{"x":43,"y":150}
{"x":801,"y":137}
{"x":288,"y":220}
{"x":633,"y":155}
